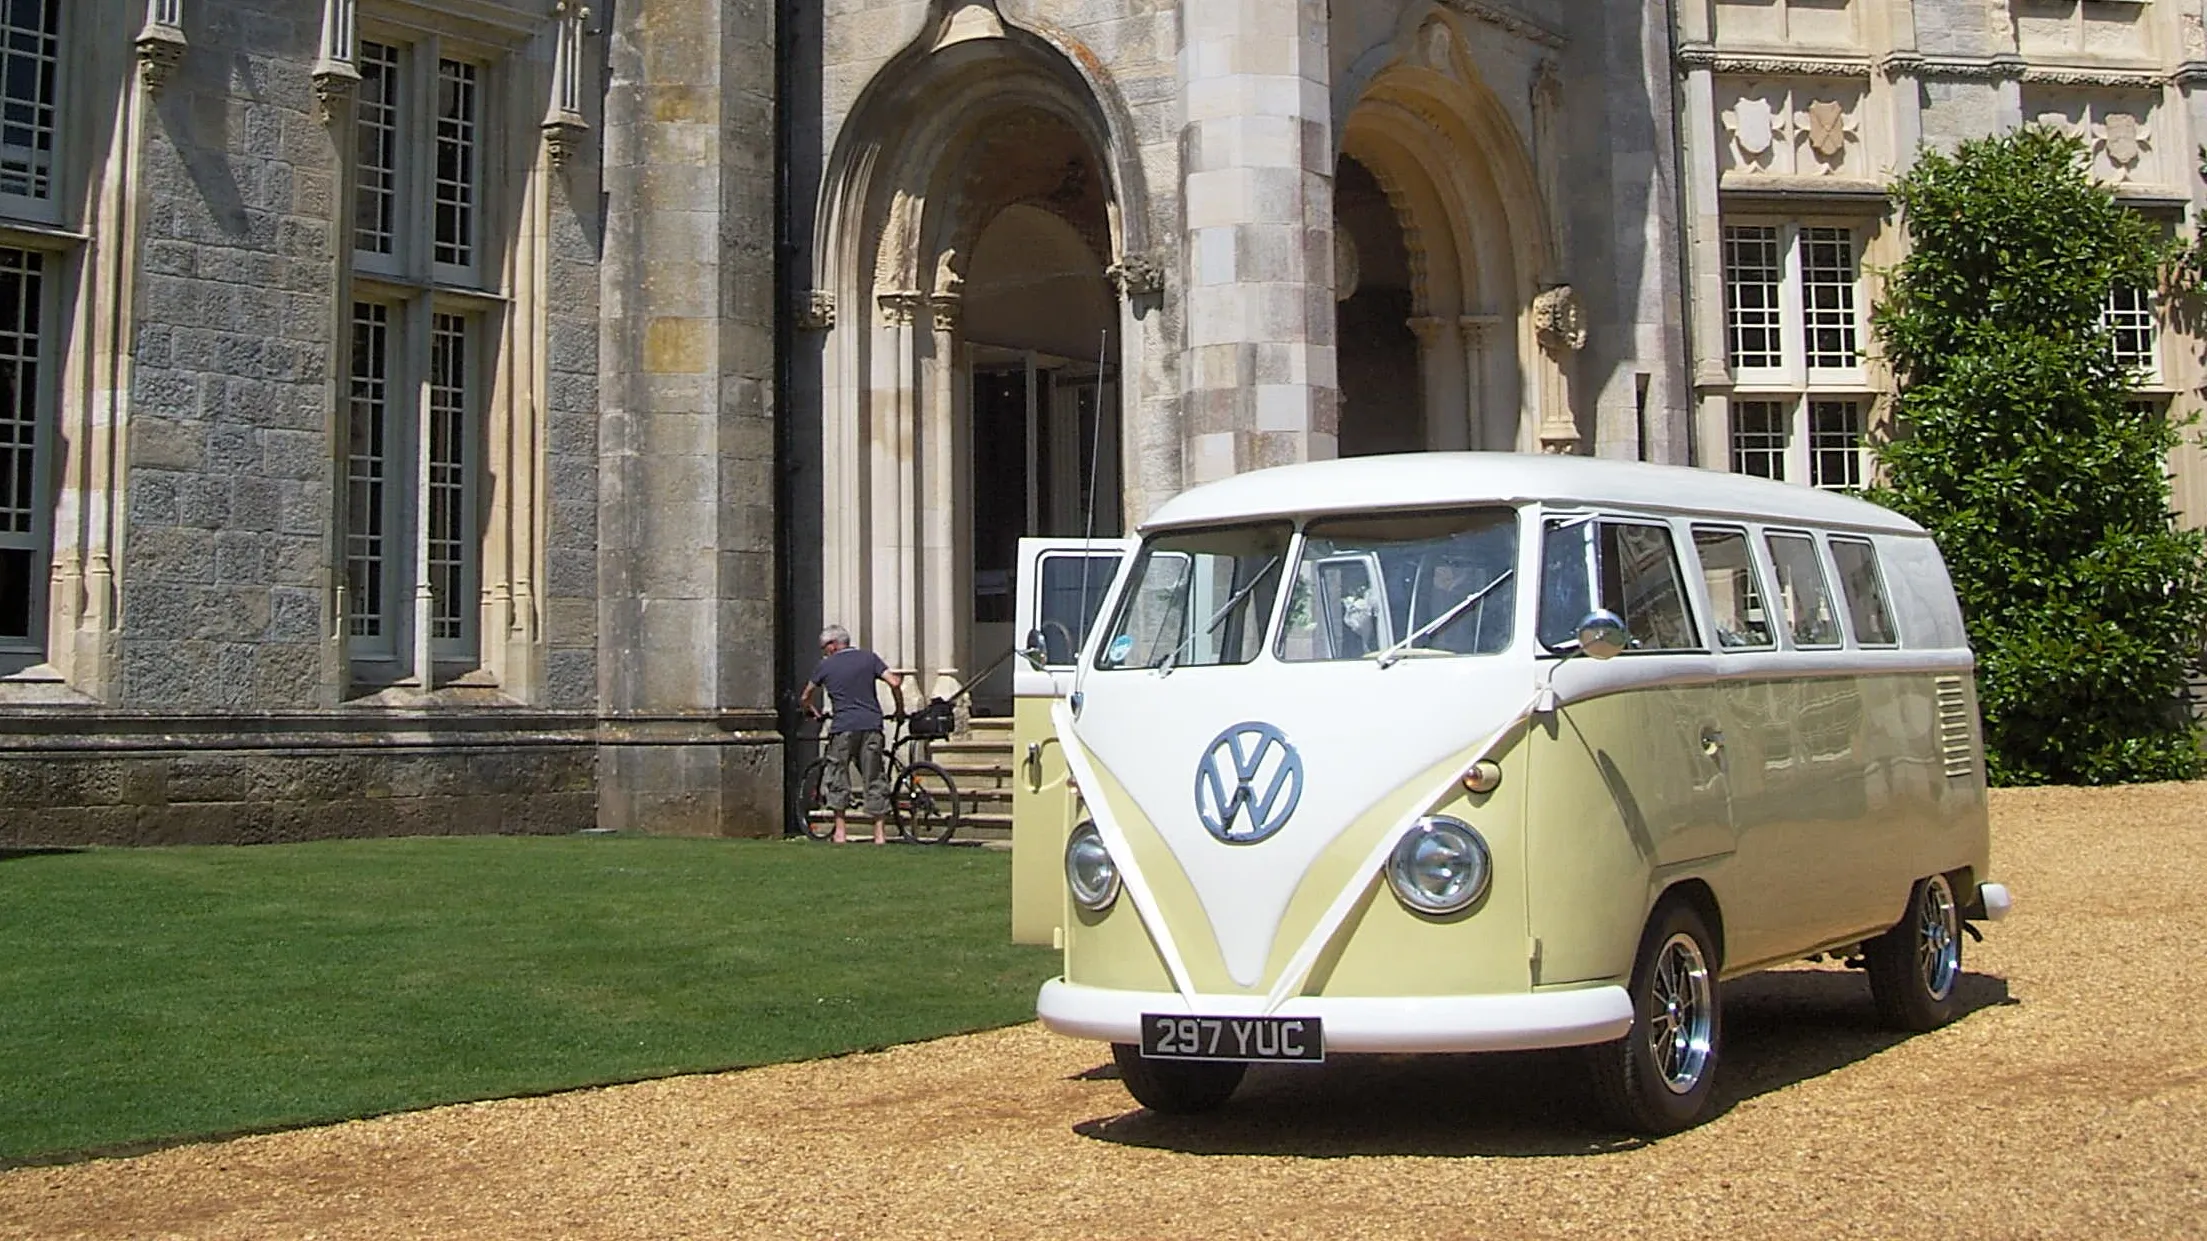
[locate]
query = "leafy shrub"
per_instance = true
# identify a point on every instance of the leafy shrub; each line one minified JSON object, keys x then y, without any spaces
{"x":2019,"y":445}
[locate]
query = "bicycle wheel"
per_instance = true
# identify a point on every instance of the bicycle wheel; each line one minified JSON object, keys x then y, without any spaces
{"x":813,"y":818}
{"x":925,"y":801}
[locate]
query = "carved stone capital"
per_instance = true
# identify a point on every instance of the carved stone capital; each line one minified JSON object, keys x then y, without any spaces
{"x":335,"y":84}
{"x":944,"y":310}
{"x":1559,"y":319}
{"x":815,"y":310}
{"x":1137,"y":275}
{"x":1432,"y":330}
{"x":901,"y":308}
{"x":161,"y":48}
{"x":564,"y":136}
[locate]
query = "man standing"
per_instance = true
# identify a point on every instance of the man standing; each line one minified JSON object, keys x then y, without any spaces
{"x":848,"y":674}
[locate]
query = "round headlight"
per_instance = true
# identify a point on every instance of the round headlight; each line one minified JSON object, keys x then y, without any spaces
{"x":1441,"y":866}
{"x":1094,"y":877}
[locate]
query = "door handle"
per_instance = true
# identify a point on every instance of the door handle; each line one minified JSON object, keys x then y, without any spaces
{"x":1712,"y":742}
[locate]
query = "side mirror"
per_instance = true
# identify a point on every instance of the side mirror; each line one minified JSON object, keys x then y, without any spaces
{"x":1602,"y":635}
{"x":1035,"y":652}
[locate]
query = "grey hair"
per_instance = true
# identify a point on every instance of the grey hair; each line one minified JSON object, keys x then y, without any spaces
{"x":835,"y":633}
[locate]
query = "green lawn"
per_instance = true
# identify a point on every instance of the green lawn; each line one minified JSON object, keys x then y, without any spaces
{"x":158,"y":994}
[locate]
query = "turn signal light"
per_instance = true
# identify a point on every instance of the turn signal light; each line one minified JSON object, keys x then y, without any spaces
{"x":1485,"y":776}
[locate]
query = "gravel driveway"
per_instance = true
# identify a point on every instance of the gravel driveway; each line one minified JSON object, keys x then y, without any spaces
{"x":2071,"y":1101}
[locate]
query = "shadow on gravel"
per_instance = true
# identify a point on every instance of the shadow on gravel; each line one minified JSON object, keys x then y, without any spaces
{"x":1779,"y":1028}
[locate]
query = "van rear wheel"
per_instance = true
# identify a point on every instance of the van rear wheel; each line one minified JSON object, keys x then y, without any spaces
{"x":1176,"y":1087}
{"x":1915,"y":966}
{"x":1660,"y":1077}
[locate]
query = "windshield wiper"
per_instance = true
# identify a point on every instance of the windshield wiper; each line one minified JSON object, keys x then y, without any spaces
{"x":1393,"y":654}
{"x":1233,"y":601}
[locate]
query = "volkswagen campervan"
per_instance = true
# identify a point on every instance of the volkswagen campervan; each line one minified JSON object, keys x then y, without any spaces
{"x":1480,"y":752}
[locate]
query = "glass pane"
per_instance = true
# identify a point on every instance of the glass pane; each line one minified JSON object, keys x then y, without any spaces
{"x":450,"y":541}
{"x":30,"y":63}
{"x":456,"y":160}
{"x":1199,"y":598}
{"x":1735,"y":600}
{"x":376,"y":135}
{"x":1804,"y":600}
{"x":1073,"y":589}
{"x":1835,"y":444}
{"x":1630,"y":568}
{"x":1752,"y":272}
{"x":1827,"y":298}
{"x":1440,"y":583}
{"x":367,"y":459}
{"x":1759,"y":433}
{"x":1859,"y":582}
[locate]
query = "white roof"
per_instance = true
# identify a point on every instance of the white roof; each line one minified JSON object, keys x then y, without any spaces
{"x":1443,"y":479}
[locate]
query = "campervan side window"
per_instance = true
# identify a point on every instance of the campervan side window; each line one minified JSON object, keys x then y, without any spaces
{"x":1804,"y":600}
{"x":1631,"y":568}
{"x":1435,"y":583}
{"x":1864,"y":591}
{"x":1199,"y":598}
{"x":1735,"y":597}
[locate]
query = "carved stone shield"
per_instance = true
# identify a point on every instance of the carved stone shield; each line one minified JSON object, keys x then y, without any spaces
{"x":1827,"y":128}
{"x":2123,"y":136}
{"x":1751,"y":125}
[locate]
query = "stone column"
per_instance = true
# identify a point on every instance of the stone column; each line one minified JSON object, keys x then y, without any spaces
{"x":1483,"y":413}
{"x":940,"y":595}
{"x":891,"y":502}
{"x":686,"y":446}
{"x":1705,"y":266}
{"x":1259,"y":386}
{"x":1440,"y":369}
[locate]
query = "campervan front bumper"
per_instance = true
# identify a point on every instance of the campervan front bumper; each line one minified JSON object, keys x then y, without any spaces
{"x":1361,"y":1023}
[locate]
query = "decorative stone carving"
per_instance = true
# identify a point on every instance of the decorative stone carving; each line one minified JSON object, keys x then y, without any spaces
{"x":2194,"y":34}
{"x":1559,"y":319}
{"x":1137,"y":275}
{"x":900,"y":309}
{"x":2116,"y":132}
{"x":973,"y":20}
{"x":816,"y":310}
{"x":1801,"y":128}
{"x":161,"y":44}
{"x":2124,"y":141}
{"x":565,"y":127}
{"x":1436,"y":44}
{"x":1772,"y":64}
{"x":945,"y":309}
{"x":337,"y":69}
{"x":1510,"y":21}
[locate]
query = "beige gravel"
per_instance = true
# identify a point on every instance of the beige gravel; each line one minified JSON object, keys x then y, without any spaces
{"x":2071,"y":1102}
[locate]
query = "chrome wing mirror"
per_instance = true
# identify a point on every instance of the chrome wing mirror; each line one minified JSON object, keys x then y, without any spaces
{"x":1035,"y":652}
{"x":1602,"y":635}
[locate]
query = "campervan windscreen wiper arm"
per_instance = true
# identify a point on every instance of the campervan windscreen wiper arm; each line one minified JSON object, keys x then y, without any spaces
{"x":1225,"y":609}
{"x":1393,"y":654}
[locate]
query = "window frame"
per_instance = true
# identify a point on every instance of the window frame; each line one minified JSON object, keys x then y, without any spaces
{"x":1548,"y":518}
{"x":1846,"y":598}
{"x":1825,"y":574}
{"x":31,"y":649}
{"x":413,"y":259}
{"x":1756,"y":579}
{"x":2149,"y":374}
{"x":47,"y":210}
{"x":1794,"y":371}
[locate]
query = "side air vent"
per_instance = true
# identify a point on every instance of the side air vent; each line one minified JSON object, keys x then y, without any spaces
{"x":1954,"y":747}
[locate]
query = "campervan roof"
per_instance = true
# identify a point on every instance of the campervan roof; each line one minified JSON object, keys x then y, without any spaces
{"x":1443,"y":479}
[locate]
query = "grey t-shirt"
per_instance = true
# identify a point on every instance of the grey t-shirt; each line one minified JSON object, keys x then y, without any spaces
{"x":849,"y":676}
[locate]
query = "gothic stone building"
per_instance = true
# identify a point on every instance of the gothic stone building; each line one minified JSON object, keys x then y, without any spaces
{"x":460,"y":415}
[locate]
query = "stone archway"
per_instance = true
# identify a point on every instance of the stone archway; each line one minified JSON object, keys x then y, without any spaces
{"x":973,"y":224}
{"x":1496,"y":337}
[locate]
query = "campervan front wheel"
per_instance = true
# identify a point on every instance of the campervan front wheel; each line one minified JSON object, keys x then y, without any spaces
{"x":1176,"y":1087}
{"x":1914,"y":967}
{"x":1660,"y":1077}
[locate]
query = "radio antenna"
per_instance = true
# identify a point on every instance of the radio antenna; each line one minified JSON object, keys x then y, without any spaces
{"x":1088,"y":517}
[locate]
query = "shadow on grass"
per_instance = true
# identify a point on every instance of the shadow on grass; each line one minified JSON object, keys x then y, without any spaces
{"x":9,"y":853}
{"x":1779,"y":1028}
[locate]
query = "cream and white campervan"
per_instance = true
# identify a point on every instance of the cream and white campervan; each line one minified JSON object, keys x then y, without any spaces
{"x":1478,"y":752}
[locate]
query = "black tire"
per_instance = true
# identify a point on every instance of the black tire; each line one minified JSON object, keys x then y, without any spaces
{"x":925,"y":804}
{"x":1176,"y":1087}
{"x":812,"y":801}
{"x":1661,"y":1076}
{"x":1916,"y":966}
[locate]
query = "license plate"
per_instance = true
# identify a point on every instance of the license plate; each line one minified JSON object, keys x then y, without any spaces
{"x":1295,"y":1039}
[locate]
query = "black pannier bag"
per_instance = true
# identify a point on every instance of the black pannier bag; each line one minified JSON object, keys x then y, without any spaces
{"x":936,"y":720}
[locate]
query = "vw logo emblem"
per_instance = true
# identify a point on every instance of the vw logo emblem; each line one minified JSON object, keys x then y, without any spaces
{"x":1248,"y":783}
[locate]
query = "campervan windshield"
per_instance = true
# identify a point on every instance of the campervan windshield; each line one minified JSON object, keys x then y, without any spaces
{"x":1199,"y":598}
{"x":1403,"y":584}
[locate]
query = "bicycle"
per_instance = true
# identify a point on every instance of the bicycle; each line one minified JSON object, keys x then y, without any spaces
{"x":923,"y":799}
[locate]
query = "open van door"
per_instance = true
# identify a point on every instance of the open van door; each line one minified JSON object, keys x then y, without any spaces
{"x":1062,"y":586}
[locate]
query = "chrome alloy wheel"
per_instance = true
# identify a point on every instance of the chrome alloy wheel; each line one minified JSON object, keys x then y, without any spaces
{"x":1682,"y":1014}
{"x":1938,"y":938}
